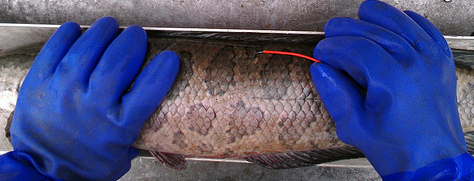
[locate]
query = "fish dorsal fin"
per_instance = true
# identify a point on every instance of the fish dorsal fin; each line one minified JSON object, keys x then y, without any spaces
{"x":469,"y":136}
{"x":304,"y":158}
{"x":174,"y":161}
{"x":463,"y":57}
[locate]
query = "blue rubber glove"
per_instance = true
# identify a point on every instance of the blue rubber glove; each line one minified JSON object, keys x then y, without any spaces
{"x":75,"y":119}
{"x":388,"y":81}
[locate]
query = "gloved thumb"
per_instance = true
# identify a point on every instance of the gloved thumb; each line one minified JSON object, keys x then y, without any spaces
{"x":340,"y":95}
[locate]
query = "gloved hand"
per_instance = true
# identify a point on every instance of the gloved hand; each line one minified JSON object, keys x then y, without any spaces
{"x":75,"y":119}
{"x":388,"y":81}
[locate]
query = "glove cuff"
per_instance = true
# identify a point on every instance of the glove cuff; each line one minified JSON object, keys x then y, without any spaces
{"x":17,"y":165}
{"x":456,"y":168}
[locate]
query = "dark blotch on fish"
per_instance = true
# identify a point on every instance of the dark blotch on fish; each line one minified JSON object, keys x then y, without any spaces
{"x":245,"y":121}
{"x":276,"y":72}
{"x":220,"y":73}
{"x":200,"y":124}
{"x":178,"y":139}
{"x":182,"y":80}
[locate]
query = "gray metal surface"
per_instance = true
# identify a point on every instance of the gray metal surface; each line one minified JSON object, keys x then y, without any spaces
{"x":452,"y":17}
{"x":148,"y":169}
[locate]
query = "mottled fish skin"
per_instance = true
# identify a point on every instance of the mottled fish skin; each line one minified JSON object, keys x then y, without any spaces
{"x":465,"y":87}
{"x":228,"y":102}
{"x":465,"y":96}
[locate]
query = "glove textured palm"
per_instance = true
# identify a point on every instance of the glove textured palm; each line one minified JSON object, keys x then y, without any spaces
{"x":76,"y":115}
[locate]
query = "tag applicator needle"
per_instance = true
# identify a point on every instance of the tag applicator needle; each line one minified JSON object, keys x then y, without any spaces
{"x":289,"y":53}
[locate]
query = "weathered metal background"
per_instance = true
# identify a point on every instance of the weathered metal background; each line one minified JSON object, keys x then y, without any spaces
{"x":452,"y":17}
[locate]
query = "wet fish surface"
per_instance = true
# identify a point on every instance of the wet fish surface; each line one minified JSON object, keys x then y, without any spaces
{"x":228,"y":102}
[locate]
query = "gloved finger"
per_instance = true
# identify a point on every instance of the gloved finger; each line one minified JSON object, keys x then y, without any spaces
{"x":151,"y":86}
{"x":131,"y":154}
{"x":358,"y":56}
{"x":83,"y":56}
{"x":119,"y":66}
{"x":432,"y":31}
{"x":394,"y":44}
{"x":389,"y":17}
{"x":341,"y":97}
{"x":53,"y":52}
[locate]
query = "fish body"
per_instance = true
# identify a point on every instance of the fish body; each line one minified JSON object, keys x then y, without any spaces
{"x":228,"y":102}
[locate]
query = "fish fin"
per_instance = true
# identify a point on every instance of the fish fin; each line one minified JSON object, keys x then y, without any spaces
{"x":304,"y":158}
{"x":174,"y":161}
{"x":312,"y":157}
{"x":469,"y":136}
{"x":463,"y":57}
